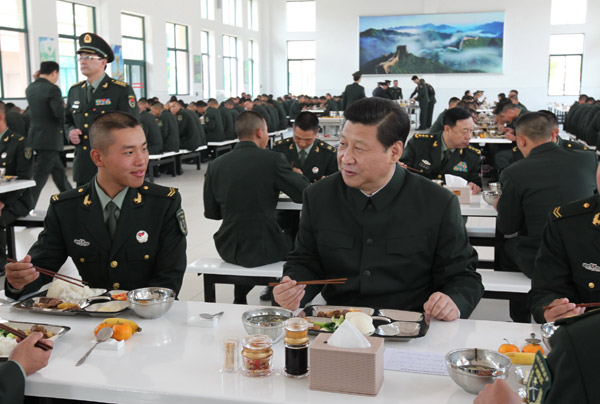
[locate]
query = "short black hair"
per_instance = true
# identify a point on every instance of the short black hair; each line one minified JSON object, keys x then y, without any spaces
{"x":551,"y":117}
{"x":201,"y":104}
{"x":501,"y":96}
{"x":103,"y":125}
{"x":415,"y":78}
{"x":583,"y":97}
{"x":246,"y":124}
{"x":503,"y":106}
{"x":356,"y":75}
{"x":212,"y":101}
{"x":453,"y":115}
{"x":49,"y":67}
{"x":307,"y":121}
{"x":390,"y":119}
{"x":453,"y":99}
{"x":534,"y":125}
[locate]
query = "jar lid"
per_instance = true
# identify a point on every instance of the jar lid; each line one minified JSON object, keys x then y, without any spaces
{"x":257,"y":341}
{"x":297,"y":324}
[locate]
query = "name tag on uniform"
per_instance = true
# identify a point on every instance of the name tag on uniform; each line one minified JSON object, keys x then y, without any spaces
{"x":461,"y":167}
{"x":425,"y":164}
{"x":75,"y":105}
{"x":103,"y":101}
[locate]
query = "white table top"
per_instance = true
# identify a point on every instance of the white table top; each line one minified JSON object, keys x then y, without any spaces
{"x":14,"y":185}
{"x":487,"y":140}
{"x":169,"y":362}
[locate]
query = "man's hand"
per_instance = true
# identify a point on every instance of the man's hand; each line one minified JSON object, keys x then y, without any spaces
{"x":497,"y":393}
{"x":297,"y":170}
{"x":289,"y":294}
{"x":441,"y":307}
{"x":74,"y":136}
{"x":30,"y":357}
{"x":562,"y":308}
{"x":20,"y":274}
{"x":401,"y":164}
{"x":1,"y":207}
{"x":475,"y":189}
{"x":509,"y":133}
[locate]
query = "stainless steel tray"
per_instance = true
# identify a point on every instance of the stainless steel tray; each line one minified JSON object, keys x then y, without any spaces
{"x":58,"y":330}
{"x":86,"y":305}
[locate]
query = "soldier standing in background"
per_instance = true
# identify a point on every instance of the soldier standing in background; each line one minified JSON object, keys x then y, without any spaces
{"x":423,"y":99}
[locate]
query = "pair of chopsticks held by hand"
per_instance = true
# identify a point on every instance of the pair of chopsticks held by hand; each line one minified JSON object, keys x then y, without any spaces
{"x":577,"y":305}
{"x":65,"y":278}
{"x":22,"y":335}
{"x":337,"y":281}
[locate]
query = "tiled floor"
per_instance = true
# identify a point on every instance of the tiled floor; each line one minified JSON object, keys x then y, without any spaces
{"x":200,"y":242}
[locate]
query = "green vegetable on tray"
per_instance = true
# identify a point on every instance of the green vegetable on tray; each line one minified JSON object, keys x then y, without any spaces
{"x":4,"y":333}
{"x":332,"y":325}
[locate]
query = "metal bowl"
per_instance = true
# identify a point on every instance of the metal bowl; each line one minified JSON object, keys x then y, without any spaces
{"x":548,"y":330}
{"x":490,"y":197}
{"x":495,"y":187}
{"x":267,"y":321}
{"x":151,"y":302}
{"x":473,"y":368}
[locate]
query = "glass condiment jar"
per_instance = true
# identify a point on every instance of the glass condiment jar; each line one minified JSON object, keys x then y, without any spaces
{"x":257,"y":355}
{"x":296,"y":343}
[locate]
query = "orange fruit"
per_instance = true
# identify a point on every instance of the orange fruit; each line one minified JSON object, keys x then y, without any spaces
{"x":508,"y":347}
{"x":121,"y":332}
{"x":533,"y":348}
{"x":99,"y":327}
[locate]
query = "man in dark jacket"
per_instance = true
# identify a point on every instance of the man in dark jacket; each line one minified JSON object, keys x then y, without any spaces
{"x":381,"y":91}
{"x":168,"y":127}
{"x":422,"y":92}
{"x":354,"y":91}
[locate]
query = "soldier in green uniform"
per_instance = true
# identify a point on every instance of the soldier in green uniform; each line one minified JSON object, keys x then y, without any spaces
{"x":190,"y":137}
{"x":272,"y":111}
{"x":513,"y":96}
{"x":330,"y":105}
{"x":449,"y":153}
{"x":16,"y":159}
{"x":283,"y":123}
{"x":168,"y":127}
{"x":438,"y":126}
{"x":213,"y":121}
{"x":91,"y":98}
{"x":398,"y":238}
{"x":120,"y":232}
{"x":354,"y":91}
{"x":46,"y":133}
{"x":228,"y":113}
{"x":242,"y":188}
{"x":422,"y":98}
{"x":432,"y":101}
{"x":150,"y":127}
{"x":395,"y":91}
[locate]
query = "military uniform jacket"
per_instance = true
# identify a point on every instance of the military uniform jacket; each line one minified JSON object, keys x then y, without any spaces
{"x":12,"y":383}
{"x":283,"y":122}
{"x":228,"y":116}
{"x":422,"y":93}
{"x":534,"y":186}
{"x":262,"y":110}
{"x":397,"y":247}
{"x":169,"y":131}
{"x":47,"y":110}
{"x":438,"y":126}
{"x":396,"y":93}
{"x":16,"y":157}
{"x":568,"y":262}
{"x":148,"y":248}
{"x":274,"y":116}
{"x":189,"y":135}
{"x":353,"y":92}
{"x":320,"y":161}
{"x":424,"y":153}
{"x":242,"y":188}
{"x":111,"y":95}
{"x":152,"y":132}
{"x":381,"y":93}
{"x":213,"y":125}
{"x":16,"y":122}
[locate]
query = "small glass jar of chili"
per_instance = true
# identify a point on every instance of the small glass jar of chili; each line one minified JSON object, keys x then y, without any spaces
{"x":257,"y":355}
{"x":296,"y":343}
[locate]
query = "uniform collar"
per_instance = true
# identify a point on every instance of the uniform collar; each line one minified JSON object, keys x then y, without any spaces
{"x":245,"y":143}
{"x":96,"y":83}
{"x":105,"y":199}
{"x":307,"y":150}
{"x":381,"y":198}
{"x":543,"y":148}
{"x":6,"y":132}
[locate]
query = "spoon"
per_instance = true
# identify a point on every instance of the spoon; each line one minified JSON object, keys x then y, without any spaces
{"x":210,"y":316}
{"x":103,"y":335}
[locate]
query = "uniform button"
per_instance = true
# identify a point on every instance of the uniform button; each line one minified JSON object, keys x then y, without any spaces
{"x":103,"y":111}
{"x":81,"y":259}
{"x":146,"y":257}
{"x":366,"y":273}
{"x":586,"y":205}
{"x":85,"y":137}
{"x":116,"y":285}
{"x":114,"y":264}
{"x":592,"y":285}
{"x":84,"y":147}
{"x":439,"y":176}
{"x":85,"y":125}
{"x":80,"y":190}
{"x":86,"y":114}
{"x":146,"y":187}
{"x":370,"y":241}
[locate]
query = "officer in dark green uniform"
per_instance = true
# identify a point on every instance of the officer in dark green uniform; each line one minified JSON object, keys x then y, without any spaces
{"x":354,"y":91}
{"x":152,"y":132}
{"x":283,"y":123}
{"x":91,"y":98}
{"x":168,"y":127}
{"x":120,"y":232}
{"x":330,"y":105}
{"x":16,"y":159}
{"x":448,"y":153}
{"x":228,"y":113}
{"x":398,"y":238}
{"x":272,"y":111}
{"x":190,"y":137}
{"x":432,"y":101}
{"x":438,"y":126}
{"x":396,"y":91}
{"x":422,"y":98}
{"x":213,"y":121}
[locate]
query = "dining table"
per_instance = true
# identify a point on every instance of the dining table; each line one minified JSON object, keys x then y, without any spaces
{"x":15,"y":185}
{"x":170,"y":361}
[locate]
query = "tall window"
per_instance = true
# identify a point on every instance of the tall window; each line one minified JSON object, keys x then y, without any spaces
{"x":301,"y":16}
{"x":253,"y":68}
{"x":14,"y":61}
{"x":73,"y":20}
{"x":230,"y":66}
{"x":253,"y":15}
{"x":205,"y":53}
{"x":301,"y":67}
{"x":232,"y":12}
{"x":207,"y":9}
{"x":177,"y":59}
{"x":566,"y":57}
{"x":134,"y":52}
{"x":568,"y":12}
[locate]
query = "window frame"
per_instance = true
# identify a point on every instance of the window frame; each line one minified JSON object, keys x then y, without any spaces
{"x":314,"y":59}
{"x":186,"y":50}
{"x":205,"y":57}
{"x":564,"y":55}
{"x":235,"y":80}
{"x":23,"y":30}
{"x":136,"y":62}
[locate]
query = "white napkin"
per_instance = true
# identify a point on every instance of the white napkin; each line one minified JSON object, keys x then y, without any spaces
{"x":454,"y":181}
{"x":348,"y":336}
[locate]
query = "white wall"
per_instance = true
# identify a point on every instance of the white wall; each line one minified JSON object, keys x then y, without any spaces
{"x":526,"y":43}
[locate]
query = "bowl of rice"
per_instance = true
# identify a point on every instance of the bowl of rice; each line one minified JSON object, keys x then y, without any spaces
{"x":71,"y":293}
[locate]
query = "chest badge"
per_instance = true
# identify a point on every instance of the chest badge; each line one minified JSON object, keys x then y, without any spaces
{"x":425,"y":164}
{"x":461,"y":167}
{"x":141,"y":236}
{"x":4,"y":155}
{"x":103,"y":101}
{"x":315,"y":170}
{"x":81,"y":242}
{"x":591,"y":266}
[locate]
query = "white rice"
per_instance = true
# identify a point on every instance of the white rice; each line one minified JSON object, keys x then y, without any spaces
{"x":67,"y":292}
{"x":7,"y":344}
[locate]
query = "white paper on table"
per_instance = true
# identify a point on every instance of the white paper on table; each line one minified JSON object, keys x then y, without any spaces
{"x":454,"y":181}
{"x":402,"y":360}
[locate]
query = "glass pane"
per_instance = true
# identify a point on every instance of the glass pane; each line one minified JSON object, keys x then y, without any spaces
{"x":302,"y":77}
{"x":171,"y":72}
{"x":170,"y":35}
{"x":134,"y":77}
{"x":556,"y":77}
{"x":226,"y":46}
{"x":182,"y":73}
{"x":132,"y":26}
{"x":239,"y":19}
{"x":64,"y":18}
{"x":68,"y":64}
{"x":302,"y":49}
{"x":181,"y":36}
{"x":233,"y":46}
{"x":133,"y":49}
{"x":301,"y":16}
{"x":204,"y":41}
{"x":12,"y":14}
{"x":84,"y":19}
{"x":568,"y":12}
{"x":205,"y":77}
{"x":572,"y":75}
{"x":566,"y":44}
{"x":14,"y":63}
{"x":227,"y":77}
{"x":227,"y":6}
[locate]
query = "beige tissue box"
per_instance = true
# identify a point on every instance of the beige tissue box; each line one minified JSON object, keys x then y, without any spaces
{"x":462,"y":193}
{"x":346,"y":370}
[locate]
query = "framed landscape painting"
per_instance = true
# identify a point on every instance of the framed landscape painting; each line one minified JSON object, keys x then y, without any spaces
{"x":432,"y":43}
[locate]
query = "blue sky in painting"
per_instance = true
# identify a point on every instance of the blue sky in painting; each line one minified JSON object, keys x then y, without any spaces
{"x":460,"y":21}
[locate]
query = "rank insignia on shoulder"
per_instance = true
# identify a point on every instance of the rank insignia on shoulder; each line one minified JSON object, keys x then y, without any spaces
{"x":28,"y":153}
{"x":476,"y":150}
{"x":181,"y":220}
{"x":172,"y":192}
{"x":539,"y":382}
{"x":461,"y":167}
{"x":138,"y":199}
{"x":120,"y":83}
{"x":596,"y":220}
{"x":132,"y":101}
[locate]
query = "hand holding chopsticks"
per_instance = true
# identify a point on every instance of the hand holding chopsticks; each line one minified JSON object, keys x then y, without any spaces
{"x":337,"y":281}
{"x":20,"y":334}
{"x":289,"y":293}
{"x":577,"y":305}
{"x":563,"y":308}
{"x":19,"y":273}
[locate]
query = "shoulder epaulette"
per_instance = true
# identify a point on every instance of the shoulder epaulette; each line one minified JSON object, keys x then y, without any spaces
{"x":78,"y":83}
{"x":150,"y":188}
{"x":423,"y":136}
{"x":283,"y":141}
{"x":474,"y":149}
{"x":515,"y":149}
{"x":70,"y":194}
{"x":576,"y":208}
{"x":327,"y":147}
{"x":21,"y":138}
{"x":119,"y":83}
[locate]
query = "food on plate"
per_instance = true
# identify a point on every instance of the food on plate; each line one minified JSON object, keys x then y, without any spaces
{"x":120,"y":296}
{"x":329,"y":326}
{"x":521,"y":358}
{"x":361,"y":321}
{"x":122,"y":331}
{"x":335,"y":313}
{"x":40,"y":328}
{"x":508,"y":347}
{"x":47,"y":303}
{"x":7,"y":343}
{"x":68,"y":292}
{"x":110,"y":322}
{"x":68,"y":306}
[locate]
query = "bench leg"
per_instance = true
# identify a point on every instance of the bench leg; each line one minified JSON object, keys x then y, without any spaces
{"x":150,"y":172}
{"x":209,"y":288}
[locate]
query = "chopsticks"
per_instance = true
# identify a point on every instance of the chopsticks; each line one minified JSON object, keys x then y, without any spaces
{"x":22,"y":335}
{"x":337,"y":281}
{"x":577,"y":305}
{"x":413,"y":169}
{"x":69,"y":279}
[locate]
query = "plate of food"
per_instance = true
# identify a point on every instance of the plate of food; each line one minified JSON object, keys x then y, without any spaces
{"x":9,"y":341}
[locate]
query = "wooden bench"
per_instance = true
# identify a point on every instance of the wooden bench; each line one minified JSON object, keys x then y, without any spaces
{"x":223,"y":146}
{"x":196,"y":155}
{"x":157,"y":160}
{"x":34,"y":219}
{"x":215,"y":270}
{"x":504,"y":285}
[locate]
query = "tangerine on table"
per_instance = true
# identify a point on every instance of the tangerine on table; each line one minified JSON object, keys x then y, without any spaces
{"x":508,"y":347}
{"x":99,"y":327}
{"x":121,"y":332}
{"x":533,"y":348}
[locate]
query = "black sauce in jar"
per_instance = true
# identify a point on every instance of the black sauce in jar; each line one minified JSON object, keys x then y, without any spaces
{"x":296,"y":361}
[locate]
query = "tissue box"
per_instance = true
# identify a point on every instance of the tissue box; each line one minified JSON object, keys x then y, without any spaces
{"x":346,"y":370}
{"x":462,"y":193}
